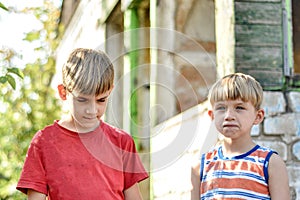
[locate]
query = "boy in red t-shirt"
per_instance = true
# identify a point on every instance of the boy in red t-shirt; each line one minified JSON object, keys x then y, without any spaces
{"x":81,"y":156}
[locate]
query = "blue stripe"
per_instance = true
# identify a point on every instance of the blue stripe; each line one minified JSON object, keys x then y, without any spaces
{"x":220,"y":174}
{"x":228,"y":194}
{"x":266,"y":165}
{"x":202,"y":167}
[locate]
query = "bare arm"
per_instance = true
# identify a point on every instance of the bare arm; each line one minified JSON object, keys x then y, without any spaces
{"x":34,"y":195}
{"x":278,"y":179}
{"x":133,"y":193}
{"x":195,"y":180}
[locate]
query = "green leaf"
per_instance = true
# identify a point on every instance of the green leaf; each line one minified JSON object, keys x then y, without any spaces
{"x":11,"y":81}
{"x":3,"y":7}
{"x":3,"y":79}
{"x":31,"y":36}
{"x":16,"y":71}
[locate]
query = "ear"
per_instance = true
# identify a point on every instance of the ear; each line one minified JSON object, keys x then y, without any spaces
{"x":62,"y":91}
{"x":211,"y":114}
{"x":259,"y":116}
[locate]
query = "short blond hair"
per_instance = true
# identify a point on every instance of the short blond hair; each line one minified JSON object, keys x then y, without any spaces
{"x":235,"y":86}
{"x":88,"y":71}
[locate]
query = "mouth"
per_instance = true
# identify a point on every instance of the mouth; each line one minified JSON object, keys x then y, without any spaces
{"x":230,"y":126}
{"x":90,"y":118}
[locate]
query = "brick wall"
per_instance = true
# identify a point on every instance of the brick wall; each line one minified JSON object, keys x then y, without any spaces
{"x":281,"y":131}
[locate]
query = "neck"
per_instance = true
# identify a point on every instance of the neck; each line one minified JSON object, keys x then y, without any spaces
{"x":233,"y":148}
{"x":70,"y":124}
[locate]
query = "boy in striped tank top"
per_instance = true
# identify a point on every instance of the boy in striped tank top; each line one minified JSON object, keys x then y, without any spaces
{"x":238,"y":168}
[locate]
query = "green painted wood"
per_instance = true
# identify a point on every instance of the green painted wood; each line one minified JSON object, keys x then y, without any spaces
{"x":265,"y":64}
{"x":259,"y":41}
{"x":262,"y":58}
{"x":269,"y":79}
{"x":261,"y":1}
{"x":258,"y":35}
{"x":258,"y":13}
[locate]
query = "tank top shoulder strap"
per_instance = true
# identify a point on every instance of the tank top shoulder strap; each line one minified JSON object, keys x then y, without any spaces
{"x":266,"y":164}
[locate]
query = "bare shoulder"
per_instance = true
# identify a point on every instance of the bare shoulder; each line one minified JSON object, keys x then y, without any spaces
{"x":196,"y":167}
{"x":195,"y":180}
{"x":278,"y":178}
{"x":276,"y":162}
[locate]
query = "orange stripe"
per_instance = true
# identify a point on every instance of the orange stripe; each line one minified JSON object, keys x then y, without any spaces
{"x":238,"y":183}
{"x":259,"y":153}
{"x":209,"y":155}
{"x":235,"y":165}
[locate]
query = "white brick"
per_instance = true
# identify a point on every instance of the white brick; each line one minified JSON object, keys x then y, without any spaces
{"x":273,"y":103}
{"x":255,"y":131}
{"x":283,"y":124}
{"x":294,"y":101}
{"x":296,"y":150}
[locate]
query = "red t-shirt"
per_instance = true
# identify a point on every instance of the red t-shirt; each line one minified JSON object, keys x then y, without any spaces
{"x":66,"y":165}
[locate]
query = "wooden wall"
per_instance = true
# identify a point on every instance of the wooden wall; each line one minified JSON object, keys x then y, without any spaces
{"x":259,"y":41}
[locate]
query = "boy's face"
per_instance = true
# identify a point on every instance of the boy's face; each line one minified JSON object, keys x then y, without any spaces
{"x":86,"y":110}
{"x":235,"y":118}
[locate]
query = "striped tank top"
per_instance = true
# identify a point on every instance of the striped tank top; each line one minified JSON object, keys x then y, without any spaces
{"x":240,"y":177}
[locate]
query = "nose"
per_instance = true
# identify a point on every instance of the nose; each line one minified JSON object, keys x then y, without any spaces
{"x":229,"y":115}
{"x":91,"y":109}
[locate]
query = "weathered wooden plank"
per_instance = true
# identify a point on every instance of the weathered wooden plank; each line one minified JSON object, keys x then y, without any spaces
{"x":258,"y":13}
{"x":258,"y":57}
{"x":258,"y":35}
{"x":261,"y":1}
{"x":268,"y":79}
{"x":258,"y":45}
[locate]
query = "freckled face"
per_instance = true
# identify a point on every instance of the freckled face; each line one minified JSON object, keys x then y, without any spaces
{"x":86,"y":110}
{"x":234,"y":118}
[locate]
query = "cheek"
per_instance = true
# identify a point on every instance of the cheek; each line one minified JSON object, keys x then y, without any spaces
{"x":101,"y":108}
{"x":75,"y":109}
{"x":218,"y":122}
{"x":218,"y":118}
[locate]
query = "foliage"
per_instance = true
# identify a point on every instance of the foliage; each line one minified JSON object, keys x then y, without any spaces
{"x":32,"y":105}
{"x":3,"y":6}
{"x":8,"y":72}
{"x":7,"y":54}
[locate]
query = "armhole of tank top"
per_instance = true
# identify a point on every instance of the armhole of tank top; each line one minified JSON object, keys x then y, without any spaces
{"x":266,"y":165}
{"x":202,"y":166}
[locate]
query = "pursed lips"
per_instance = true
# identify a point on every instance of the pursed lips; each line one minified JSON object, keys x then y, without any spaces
{"x":90,"y":118}
{"x":229,"y":125}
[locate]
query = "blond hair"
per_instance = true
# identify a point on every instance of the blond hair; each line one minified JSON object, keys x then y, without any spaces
{"x":88,"y":71}
{"x":235,"y":86}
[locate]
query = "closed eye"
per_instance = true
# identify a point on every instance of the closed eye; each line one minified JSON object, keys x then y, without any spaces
{"x":82,"y":100}
{"x":102,"y":100}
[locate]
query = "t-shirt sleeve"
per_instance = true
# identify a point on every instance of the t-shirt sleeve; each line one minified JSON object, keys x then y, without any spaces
{"x":33,"y":172}
{"x":134,"y":170}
